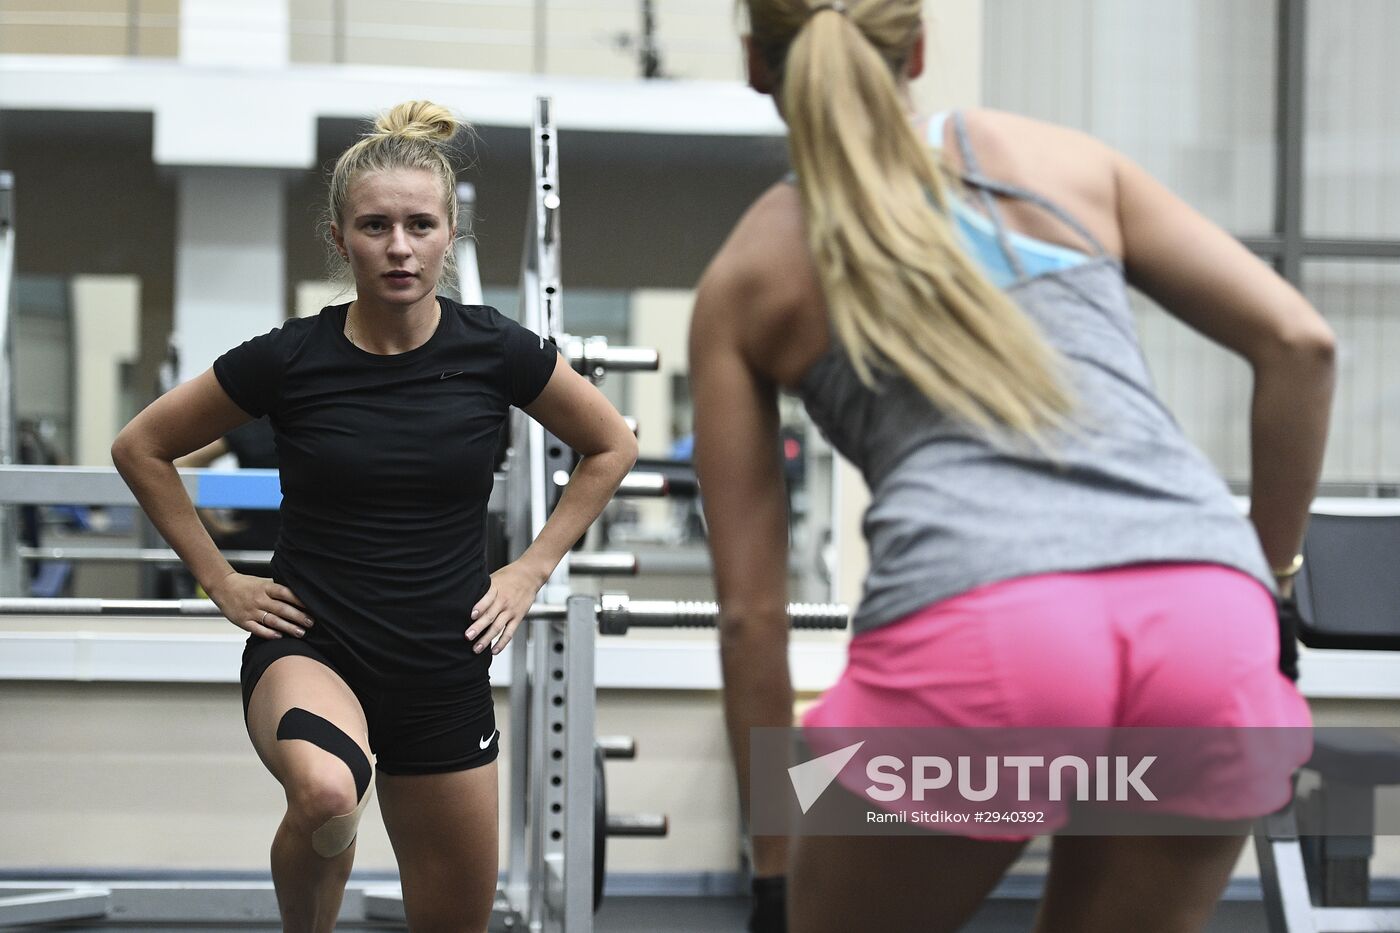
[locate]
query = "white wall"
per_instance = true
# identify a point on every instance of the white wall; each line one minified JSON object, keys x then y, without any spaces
{"x":229,"y":261}
{"x":660,"y":319}
{"x":314,"y":295}
{"x":43,"y":373}
{"x":141,"y":776}
{"x":1352,"y":162}
{"x":953,"y":52}
{"x":106,"y":314}
{"x":246,"y":34}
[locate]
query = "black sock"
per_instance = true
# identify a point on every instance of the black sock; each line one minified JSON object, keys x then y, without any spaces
{"x":769,"y":905}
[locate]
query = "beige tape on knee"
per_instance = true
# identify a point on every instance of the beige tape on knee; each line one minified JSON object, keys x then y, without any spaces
{"x":335,"y":834}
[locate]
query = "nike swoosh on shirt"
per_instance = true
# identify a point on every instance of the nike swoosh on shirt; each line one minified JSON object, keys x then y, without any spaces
{"x":486,"y":741}
{"x":450,"y":375}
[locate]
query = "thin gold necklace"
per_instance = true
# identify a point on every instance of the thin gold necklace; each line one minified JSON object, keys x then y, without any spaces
{"x":350,"y":323}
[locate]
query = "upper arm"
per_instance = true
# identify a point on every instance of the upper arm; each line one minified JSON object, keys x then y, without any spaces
{"x":190,"y":416}
{"x":541,"y":383}
{"x":575,"y":411}
{"x":251,"y":373}
{"x":1204,"y":276}
{"x":737,"y":456}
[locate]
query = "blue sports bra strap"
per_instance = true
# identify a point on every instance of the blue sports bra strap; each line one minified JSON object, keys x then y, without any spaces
{"x":973,"y":171}
{"x":974,"y":178}
{"x":985,"y":184}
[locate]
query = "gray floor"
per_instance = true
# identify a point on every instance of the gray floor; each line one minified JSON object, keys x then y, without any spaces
{"x":727,"y":915}
{"x":716,"y":915}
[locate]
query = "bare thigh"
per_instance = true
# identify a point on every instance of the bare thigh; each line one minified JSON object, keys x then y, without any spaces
{"x":927,"y":883}
{"x":301,"y":767}
{"x":443,"y":828}
{"x":1148,"y":884}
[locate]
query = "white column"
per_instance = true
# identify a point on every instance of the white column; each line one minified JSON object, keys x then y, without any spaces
{"x":106,"y":316}
{"x":850,"y":497}
{"x":660,"y":319}
{"x":230,"y":264}
{"x":242,"y":34}
{"x":952,"y":76}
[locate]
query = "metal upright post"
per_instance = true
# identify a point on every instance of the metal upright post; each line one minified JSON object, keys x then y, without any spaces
{"x":540,"y":772}
{"x":1292,"y":117}
{"x":577,"y":718}
{"x":9,"y":533}
{"x":527,"y":511}
{"x":517,"y":884}
{"x":547,"y":303}
{"x":562,"y":725}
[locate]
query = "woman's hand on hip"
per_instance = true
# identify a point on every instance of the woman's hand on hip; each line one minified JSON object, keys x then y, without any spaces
{"x":260,"y":606}
{"x":499,"y":613}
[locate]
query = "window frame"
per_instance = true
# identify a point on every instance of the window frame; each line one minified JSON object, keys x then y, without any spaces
{"x":1289,"y":246}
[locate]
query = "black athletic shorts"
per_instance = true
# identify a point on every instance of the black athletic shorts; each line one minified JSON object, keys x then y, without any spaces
{"x":417,"y":730}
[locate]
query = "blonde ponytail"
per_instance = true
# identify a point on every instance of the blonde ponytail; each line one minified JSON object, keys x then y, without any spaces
{"x":902,"y":294}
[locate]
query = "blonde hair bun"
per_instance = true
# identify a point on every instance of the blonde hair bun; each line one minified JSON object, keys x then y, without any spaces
{"x":418,"y":119}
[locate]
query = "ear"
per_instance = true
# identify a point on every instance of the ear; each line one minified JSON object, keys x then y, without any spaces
{"x":915,"y":66}
{"x":760,"y":76}
{"x":339,"y":240}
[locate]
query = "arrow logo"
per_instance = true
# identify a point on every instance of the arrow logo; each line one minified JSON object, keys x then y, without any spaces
{"x":811,"y":778}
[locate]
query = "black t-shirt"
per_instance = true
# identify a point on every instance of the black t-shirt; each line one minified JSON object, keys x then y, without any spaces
{"x":386,"y":470}
{"x":253,"y":445}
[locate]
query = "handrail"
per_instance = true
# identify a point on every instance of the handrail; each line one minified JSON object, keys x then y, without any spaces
{"x":586,"y":563}
{"x":616,"y":613}
{"x":22,"y":484}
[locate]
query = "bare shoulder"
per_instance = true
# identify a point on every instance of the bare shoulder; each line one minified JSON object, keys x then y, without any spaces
{"x":761,"y":296}
{"x":770,"y":231}
{"x":1021,"y":140}
{"x":1031,"y":129}
{"x":762,"y":268}
{"x":1073,"y":168}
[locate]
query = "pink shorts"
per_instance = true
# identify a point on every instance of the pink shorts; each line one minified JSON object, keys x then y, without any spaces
{"x":1173,"y":647}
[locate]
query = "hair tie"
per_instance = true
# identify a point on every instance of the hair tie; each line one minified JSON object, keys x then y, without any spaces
{"x":835,"y":6}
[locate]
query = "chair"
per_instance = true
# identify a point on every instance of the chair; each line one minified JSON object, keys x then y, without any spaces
{"x":1349,"y":599}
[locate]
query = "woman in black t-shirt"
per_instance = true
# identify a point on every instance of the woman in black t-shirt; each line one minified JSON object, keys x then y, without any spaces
{"x":375,"y":633}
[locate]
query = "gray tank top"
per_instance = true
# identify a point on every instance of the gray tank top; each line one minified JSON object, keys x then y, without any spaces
{"x":951,"y":510}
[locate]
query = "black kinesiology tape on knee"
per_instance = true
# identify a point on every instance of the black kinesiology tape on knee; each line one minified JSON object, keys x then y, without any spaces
{"x":301,"y":724}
